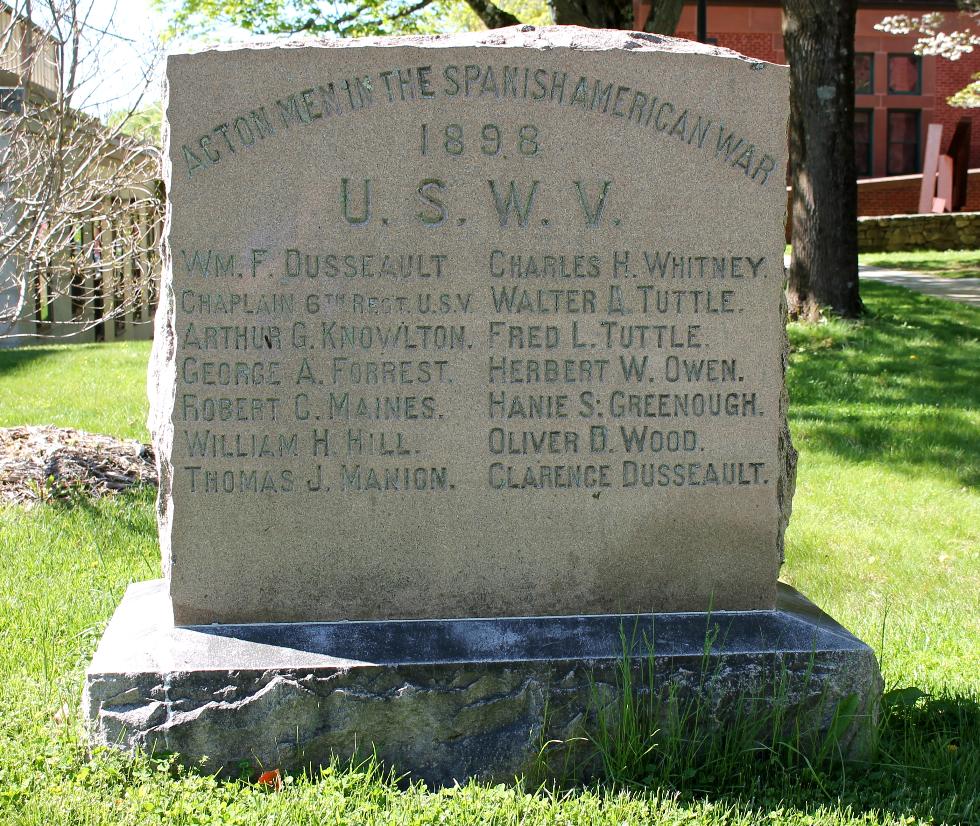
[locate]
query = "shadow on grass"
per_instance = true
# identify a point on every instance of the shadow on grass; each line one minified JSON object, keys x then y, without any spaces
{"x":927,"y":770}
{"x":900,"y":387}
{"x":15,"y":358}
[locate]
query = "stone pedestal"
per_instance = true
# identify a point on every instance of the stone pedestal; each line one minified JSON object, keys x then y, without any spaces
{"x":449,"y":699}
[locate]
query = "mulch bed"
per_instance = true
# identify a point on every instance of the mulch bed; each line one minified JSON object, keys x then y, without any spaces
{"x":43,"y":464}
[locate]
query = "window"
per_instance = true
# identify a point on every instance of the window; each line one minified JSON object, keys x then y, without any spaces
{"x":863,"y":140}
{"x":904,"y":74}
{"x":903,"y":141}
{"x":864,"y":73}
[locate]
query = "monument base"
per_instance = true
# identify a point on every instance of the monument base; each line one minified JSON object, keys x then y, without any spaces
{"x":451,"y":699}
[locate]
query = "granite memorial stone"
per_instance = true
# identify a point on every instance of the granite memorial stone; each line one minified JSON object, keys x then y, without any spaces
{"x":467,"y":347}
{"x":473,"y":330}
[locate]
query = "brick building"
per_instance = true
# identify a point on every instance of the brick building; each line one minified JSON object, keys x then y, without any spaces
{"x":898,"y":93}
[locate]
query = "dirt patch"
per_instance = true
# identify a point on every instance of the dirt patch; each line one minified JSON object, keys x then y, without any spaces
{"x":43,"y":464}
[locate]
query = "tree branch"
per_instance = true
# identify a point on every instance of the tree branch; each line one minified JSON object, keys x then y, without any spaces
{"x":405,"y":12}
{"x":493,"y":16}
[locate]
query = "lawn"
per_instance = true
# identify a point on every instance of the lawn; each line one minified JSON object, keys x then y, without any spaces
{"x":885,"y":536}
{"x":95,"y":387}
{"x":948,"y":264}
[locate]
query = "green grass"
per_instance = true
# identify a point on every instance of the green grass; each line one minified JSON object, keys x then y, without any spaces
{"x":885,"y":536}
{"x":95,"y":387}
{"x":886,"y":415}
{"x":945,"y":264}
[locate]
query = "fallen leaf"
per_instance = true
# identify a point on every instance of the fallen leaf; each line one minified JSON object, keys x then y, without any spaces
{"x":272,"y":779}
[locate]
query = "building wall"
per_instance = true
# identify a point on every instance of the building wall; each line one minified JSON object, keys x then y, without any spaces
{"x":899,"y":194}
{"x":111,"y":295}
{"x":23,"y":45}
{"x":757,"y":32}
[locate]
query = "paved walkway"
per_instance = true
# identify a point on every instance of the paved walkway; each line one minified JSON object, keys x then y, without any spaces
{"x":964,"y":290}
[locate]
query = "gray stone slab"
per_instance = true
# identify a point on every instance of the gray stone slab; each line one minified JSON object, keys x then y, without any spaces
{"x":444,"y":699}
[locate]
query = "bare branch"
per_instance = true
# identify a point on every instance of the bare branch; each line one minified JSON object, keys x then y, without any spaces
{"x":80,"y":203}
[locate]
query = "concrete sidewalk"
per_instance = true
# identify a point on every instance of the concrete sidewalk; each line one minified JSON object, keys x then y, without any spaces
{"x":964,"y":290}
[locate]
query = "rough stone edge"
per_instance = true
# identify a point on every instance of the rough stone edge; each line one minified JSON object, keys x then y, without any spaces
{"x":543,"y":38}
{"x":786,"y":452}
{"x":788,"y":456}
{"x":448,"y":721}
{"x":161,"y":377}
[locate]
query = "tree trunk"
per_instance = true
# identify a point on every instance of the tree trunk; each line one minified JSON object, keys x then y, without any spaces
{"x":595,"y":14}
{"x":819,"y":40}
{"x":661,"y":16}
{"x":664,"y":16}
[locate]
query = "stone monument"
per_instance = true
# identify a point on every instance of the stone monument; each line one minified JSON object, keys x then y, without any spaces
{"x":470,"y":350}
